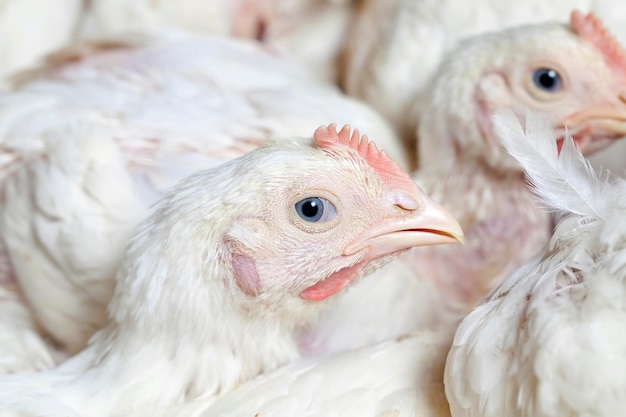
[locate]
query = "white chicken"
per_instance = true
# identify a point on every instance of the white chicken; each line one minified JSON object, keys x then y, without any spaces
{"x":549,"y":341}
{"x":154,"y":114}
{"x":233,"y":259}
{"x":578,"y":79}
{"x":395,"y":47}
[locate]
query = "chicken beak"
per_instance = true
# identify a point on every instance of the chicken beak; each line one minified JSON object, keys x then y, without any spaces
{"x":430,"y":224}
{"x":596,"y":127}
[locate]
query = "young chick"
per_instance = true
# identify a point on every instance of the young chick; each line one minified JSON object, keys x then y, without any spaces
{"x":575,"y":75}
{"x":90,"y":141}
{"x":549,"y":341}
{"x":229,"y":262}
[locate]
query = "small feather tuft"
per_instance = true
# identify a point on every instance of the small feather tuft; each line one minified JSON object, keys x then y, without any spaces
{"x":390,"y":172}
{"x":564,"y":181}
{"x":590,"y":28}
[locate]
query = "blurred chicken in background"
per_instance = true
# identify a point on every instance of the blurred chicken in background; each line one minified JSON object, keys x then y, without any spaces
{"x":313,"y":31}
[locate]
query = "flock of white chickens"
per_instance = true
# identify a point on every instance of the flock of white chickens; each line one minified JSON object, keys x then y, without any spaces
{"x":188,"y":229}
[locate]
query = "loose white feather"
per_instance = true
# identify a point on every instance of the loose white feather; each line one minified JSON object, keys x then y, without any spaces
{"x":564,"y":181}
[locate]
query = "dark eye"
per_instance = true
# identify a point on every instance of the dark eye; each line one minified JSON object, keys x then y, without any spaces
{"x":547,"y":79}
{"x":315,"y":209}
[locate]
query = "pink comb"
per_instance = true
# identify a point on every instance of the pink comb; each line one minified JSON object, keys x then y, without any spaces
{"x":391,"y":174}
{"x":590,"y":28}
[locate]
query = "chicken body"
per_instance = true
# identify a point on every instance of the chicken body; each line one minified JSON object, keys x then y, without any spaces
{"x":396,"y":377}
{"x":97,"y":136}
{"x":465,"y":167}
{"x":547,"y":342}
{"x":215,"y":280}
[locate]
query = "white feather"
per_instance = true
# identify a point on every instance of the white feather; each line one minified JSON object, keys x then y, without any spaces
{"x":565,"y":182}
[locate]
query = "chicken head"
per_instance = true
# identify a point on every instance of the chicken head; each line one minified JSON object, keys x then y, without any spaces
{"x":293,"y":225}
{"x":328,"y":220}
{"x":575,"y":74}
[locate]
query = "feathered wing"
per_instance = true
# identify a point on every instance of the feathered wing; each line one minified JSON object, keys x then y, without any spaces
{"x":564,"y":180}
{"x":66,"y":236}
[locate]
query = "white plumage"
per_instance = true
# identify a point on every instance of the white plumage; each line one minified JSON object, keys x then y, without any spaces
{"x":393,"y":378}
{"x":549,"y":340}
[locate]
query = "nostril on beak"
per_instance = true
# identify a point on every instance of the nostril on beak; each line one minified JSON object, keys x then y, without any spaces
{"x":404,"y":201}
{"x":622,"y":97}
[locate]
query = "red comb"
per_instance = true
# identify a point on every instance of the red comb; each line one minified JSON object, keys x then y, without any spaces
{"x":590,"y":28}
{"x":389,"y":171}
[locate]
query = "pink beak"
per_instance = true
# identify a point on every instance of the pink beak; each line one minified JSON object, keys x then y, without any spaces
{"x":430,"y":224}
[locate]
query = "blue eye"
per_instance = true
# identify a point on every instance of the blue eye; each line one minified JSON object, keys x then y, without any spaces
{"x":547,"y":79}
{"x":315,"y":209}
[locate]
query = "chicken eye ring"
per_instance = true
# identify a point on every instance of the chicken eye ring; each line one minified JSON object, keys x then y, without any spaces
{"x":547,"y":79}
{"x":315,"y":210}
{"x":546,"y":82}
{"x":330,"y":216}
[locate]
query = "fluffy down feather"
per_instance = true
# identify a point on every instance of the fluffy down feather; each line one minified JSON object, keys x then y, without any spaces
{"x":548,"y":341}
